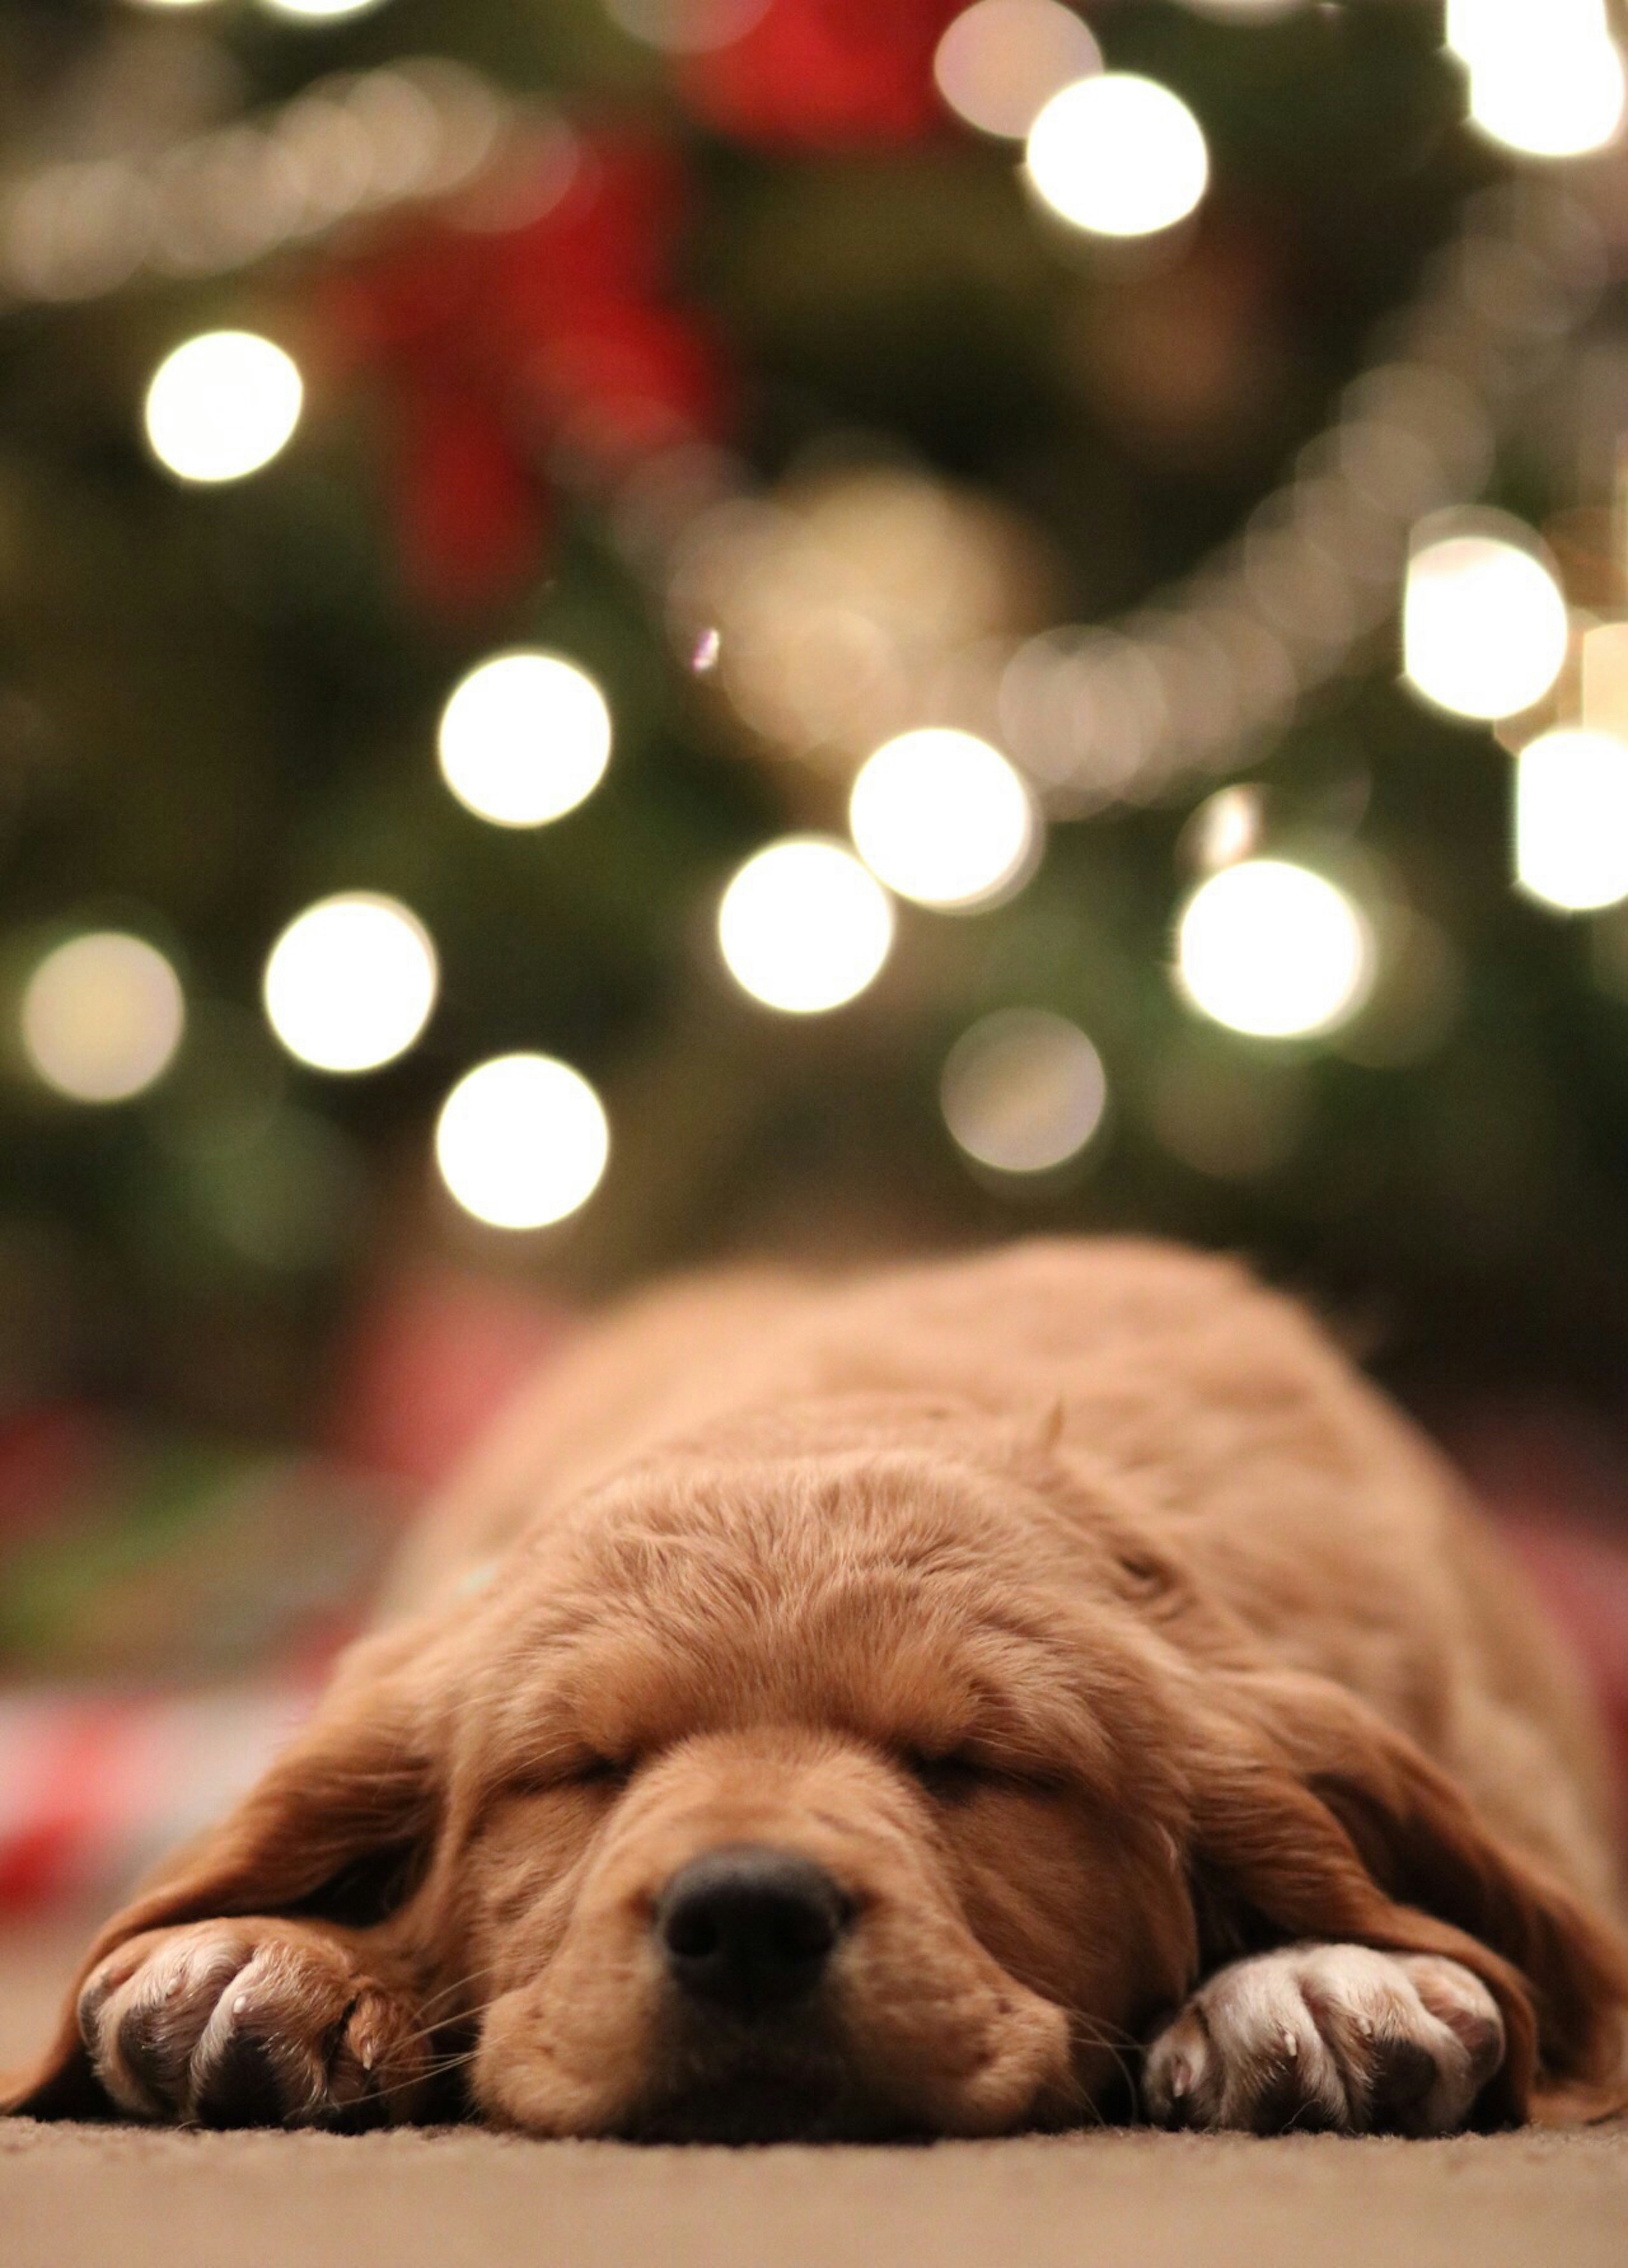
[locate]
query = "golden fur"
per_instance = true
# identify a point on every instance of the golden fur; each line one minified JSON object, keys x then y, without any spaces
{"x":1074,"y":1607}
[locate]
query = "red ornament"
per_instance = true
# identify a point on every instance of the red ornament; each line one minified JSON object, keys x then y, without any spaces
{"x":503,"y":354}
{"x":825,"y":74}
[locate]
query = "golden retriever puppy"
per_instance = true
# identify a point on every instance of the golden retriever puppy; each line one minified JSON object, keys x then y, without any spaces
{"x":983,"y":1695}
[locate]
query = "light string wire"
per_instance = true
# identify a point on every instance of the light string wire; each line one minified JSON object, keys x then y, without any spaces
{"x":1206,"y":671}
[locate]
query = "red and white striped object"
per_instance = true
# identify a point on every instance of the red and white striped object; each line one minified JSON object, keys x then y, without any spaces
{"x":96,"y":1786}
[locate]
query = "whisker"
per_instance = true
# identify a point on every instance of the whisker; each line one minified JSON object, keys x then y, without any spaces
{"x":487,"y":1969}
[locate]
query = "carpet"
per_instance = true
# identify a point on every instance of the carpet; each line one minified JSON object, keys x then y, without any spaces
{"x":131,"y":2198}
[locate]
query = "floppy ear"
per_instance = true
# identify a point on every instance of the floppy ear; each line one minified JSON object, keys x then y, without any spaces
{"x":336,"y":1826}
{"x":1313,"y":1817}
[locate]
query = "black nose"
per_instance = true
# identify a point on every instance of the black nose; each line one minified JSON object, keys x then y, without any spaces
{"x":749,"y":1926}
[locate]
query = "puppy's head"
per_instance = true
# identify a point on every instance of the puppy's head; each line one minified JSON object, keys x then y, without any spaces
{"x":784,"y":1812}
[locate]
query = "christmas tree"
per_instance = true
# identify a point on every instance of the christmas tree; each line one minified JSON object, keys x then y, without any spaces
{"x":636,"y":628}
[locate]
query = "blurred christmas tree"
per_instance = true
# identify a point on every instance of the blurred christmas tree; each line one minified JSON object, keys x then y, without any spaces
{"x":726,"y":371}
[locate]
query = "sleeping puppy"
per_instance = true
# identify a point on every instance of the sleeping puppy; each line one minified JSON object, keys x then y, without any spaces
{"x":999,"y":1694}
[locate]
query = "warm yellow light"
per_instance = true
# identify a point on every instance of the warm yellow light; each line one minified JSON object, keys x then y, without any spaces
{"x":102,"y":1017}
{"x":1552,"y":104}
{"x":350,"y":983}
{"x":1546,"y":77}
{"x":222,"y":405}
{"x":1571,"y":820}
{"x":319,"y":11}
{"x":1001,"y":62}
{"x":1119,"y":155}
{"x":1225,"y":829}
{"x":522,"y":1141}
{"x":525,"y":738}
{"x":1272,"y":949}
{"x":1023,"y":1090}
{"x":803,"y":927}
{"x":1475,"y":28}
{"x":1484,"y":627}
{"x":943,"y":818}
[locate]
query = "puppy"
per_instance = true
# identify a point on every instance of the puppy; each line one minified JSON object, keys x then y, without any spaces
{"x":998,"y":1694}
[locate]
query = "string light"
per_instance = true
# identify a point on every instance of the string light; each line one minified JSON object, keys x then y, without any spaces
{"x":522,"y":1141}
{"x":102,"y":1017}
{"x":350,"y":983}
{"x":1484,"y":626}
{"x":1213,"y":663}
{"x":1252,"y":12}
{"x":525,"y":738}
{"x":213,"y":203}
{"x":1119,"y":155}
{"x":803,"y":927}
{"x":1475,"y":28}
{"x":326,"y":12}
{"x":1023,"y":1090}
{"x":1274,"y":950}
{"x":222,"y":405}
{"x":1571,"y":820}
{"x":941,"y":817}
{"x":1560,"y":103}
{"x":1225,"y":829}
{"x":1546,"y":77}
{"x":1001,"y":60}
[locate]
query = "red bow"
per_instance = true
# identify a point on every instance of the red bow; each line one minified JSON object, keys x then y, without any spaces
{"x":825,"y":73}
{"x":506,"y":356}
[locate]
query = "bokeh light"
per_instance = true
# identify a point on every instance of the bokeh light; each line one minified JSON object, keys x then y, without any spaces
{"x":350,"y":983}
{"x":1225,"y":828}
{"x":319,"y":11}
{"x":941,"y":817}
{"x":1546,"y":77}
{"x":525,"y":738}
{"x":1023,"y":1090}
{"x":102,"y":1016}
{"x":1485,"y":627}
{"x":1245,"y":11}
{"x":1474,"y":28}
{"x":1269,"y":948}
{"x":1001,"y":62}
{"x":803,"y":927}
{"x":522,"y":1141}
{"x":1119,"y":155}
{"x":222,"y":405}
{"x":1550,"y":103}
{"x":1571,"y":820}
{"x":687,"y":28}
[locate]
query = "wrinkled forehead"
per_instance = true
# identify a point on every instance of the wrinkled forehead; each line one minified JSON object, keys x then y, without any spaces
{"x":902,"y":1608}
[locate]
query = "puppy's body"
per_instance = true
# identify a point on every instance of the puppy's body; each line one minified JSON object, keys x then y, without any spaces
{"x":1220,"y":1420}
{"x":1052,"y":1643}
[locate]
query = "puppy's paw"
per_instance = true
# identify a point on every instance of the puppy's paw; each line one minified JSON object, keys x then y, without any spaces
{"x":1336,"y":2038}
{"x":250,"y":2022}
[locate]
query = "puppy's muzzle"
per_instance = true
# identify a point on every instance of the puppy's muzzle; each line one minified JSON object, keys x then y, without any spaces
{"x":750,"y":1928}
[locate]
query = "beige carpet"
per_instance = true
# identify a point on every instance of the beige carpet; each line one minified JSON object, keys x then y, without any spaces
{"x":130,"y":2197}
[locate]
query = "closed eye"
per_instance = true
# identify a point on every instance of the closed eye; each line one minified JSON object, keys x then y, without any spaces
{"x":957,"y":1776}
{"x":599,"y":1771}
{"x":589,"y":1770}
{"x":952,"y":1779}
